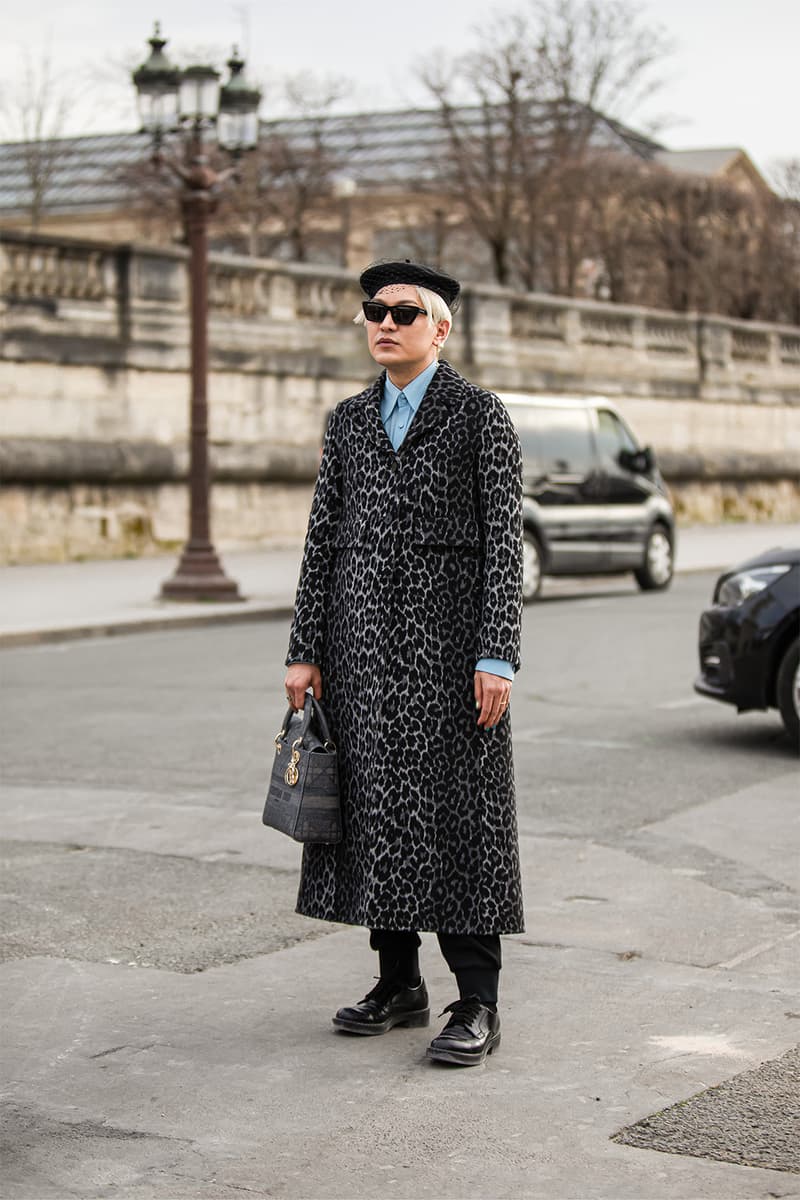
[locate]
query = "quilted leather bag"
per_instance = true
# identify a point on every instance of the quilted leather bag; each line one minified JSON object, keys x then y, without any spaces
{"x":303,"y":796}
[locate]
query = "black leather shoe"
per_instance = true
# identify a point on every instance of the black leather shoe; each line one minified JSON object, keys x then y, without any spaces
{"x":472,"y":1032}
{"x":388,"y":1004}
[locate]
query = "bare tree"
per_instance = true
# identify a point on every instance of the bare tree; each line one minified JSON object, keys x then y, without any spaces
{"x":153,"y":200}
{"x":34,"y":114}
{"x":775,"y":256}
{"x":285,"y":183}
{"x":785,"y":175}
{"x":689,"y":242}
{"x":521,"y":115}
{"x":595,"y":57}
{"x":489,"y":164}
{"x":602,"y":239}
{"x":682,"y":211}
{"x":596,"y":63}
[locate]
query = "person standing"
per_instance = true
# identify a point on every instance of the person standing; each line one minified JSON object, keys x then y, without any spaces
{"x":407,"y":617}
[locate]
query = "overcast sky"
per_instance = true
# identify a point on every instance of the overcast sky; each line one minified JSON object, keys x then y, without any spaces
{"x":732,"y":81}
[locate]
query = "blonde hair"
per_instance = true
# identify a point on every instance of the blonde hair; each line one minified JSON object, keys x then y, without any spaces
{"x":435,"y":306}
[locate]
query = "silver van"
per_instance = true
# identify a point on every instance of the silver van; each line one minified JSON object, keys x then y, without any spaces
{"x":594,"y":501}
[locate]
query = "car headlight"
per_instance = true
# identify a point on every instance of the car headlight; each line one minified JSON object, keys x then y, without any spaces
{"x":739,"y":587}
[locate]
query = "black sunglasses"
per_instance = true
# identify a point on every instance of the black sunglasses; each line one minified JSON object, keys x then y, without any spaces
{"x":402,"y":314}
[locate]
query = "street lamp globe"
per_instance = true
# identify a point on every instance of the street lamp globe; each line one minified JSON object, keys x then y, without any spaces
{"x":157,"y":81}
{"x":199,"y":95}
{"x":237,"y":125}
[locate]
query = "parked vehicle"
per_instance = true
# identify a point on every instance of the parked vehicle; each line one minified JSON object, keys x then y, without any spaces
{"x":750,"y":638}
{"x":594,"y":501}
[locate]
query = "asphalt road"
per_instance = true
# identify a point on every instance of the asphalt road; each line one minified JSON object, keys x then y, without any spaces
{"x":102,"y":740}
{"x":608,"y":732}
{"x":657,"y":863}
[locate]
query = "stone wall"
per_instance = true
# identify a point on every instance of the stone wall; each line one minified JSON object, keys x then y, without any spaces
{"x":94,"y":392}
{"x":80,"y":521}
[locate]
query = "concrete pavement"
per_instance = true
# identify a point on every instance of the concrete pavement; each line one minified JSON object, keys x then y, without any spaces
{"x":58,"y":601}
{"x":53,"y":602}
{"x":636,"y":987}
{"x":660,"y":961}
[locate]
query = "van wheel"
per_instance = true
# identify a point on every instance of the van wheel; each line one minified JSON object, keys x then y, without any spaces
{"x":788,"y":691}
{"x":531,"y":566}
{"x":657,"y":567}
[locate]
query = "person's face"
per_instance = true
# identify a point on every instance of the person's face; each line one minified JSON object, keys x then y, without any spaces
{"x":404,"y":348}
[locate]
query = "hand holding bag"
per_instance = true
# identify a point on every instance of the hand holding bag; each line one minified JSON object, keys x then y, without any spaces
{"x":303,"y":796}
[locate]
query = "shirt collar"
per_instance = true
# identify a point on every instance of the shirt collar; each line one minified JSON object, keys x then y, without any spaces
{"x":413,"y":391}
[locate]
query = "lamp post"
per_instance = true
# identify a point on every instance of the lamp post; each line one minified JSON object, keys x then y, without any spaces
{"x":344,"y":189}
{"x":190,"y":104}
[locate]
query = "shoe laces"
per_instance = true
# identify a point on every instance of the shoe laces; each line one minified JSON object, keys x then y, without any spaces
{"x":382,"y":991}
{"x":463,"y":1011}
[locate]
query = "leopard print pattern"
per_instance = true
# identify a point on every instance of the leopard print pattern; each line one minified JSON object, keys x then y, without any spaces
{"x":412,"y":571}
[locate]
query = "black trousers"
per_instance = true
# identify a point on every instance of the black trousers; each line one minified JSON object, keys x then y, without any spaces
{"x":474,"y":958}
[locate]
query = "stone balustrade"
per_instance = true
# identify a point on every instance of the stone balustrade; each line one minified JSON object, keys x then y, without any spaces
{"x":94,"y":352}
{"x":44,"y":269}
{"x":66,"y":288}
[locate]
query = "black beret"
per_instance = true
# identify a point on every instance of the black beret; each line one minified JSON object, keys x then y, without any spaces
{"x":381,"y":274}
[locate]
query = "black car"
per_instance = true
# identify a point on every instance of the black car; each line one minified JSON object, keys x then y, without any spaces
{"x":750,"y":638}
{"x":593,"y":500}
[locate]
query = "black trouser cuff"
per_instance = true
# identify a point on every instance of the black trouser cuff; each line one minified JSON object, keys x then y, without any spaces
{"x":474,"y":959}
{"x":478,"y":982}
{"x":398,"y":954}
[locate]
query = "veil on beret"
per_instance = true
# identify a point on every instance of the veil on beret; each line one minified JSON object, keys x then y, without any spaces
{"x":381,"y":274}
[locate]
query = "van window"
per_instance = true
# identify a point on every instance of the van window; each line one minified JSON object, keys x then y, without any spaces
{"x":612,"y":436}
{"x":566,"y":441}
{"x":531,"y":450}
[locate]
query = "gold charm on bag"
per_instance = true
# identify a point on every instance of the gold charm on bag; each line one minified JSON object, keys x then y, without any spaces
{"x":291,"y":774}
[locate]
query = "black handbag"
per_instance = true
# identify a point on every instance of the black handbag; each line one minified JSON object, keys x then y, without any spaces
{"x":303,"y":796}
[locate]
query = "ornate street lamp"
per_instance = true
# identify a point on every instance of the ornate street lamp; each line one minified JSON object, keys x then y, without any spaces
{"x":190,"y":104}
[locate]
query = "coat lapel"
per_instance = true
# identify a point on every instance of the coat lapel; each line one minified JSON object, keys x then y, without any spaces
{"x":371,"y":415}
{"x":438,"y":403}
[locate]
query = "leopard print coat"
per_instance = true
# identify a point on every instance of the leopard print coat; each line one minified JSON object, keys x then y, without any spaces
{"x":412,"y":571}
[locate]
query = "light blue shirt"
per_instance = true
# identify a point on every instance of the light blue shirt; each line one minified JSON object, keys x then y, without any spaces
{"x":396,"y":415}
{"x":398,"y":409}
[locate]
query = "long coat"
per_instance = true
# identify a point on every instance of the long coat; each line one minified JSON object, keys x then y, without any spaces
{"x":412,"y":572}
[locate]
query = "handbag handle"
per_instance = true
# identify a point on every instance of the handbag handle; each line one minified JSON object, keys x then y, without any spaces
{"x":311,"y":708}
{"x":319,"y":712}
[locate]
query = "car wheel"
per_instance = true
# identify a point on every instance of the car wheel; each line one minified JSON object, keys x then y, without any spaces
{"x":531,"y":566}
{"x":656,"y":570}
{"x":788,"y":691}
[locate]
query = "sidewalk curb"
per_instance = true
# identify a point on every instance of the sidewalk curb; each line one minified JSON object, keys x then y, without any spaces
{"x":12,"y":639}
{"x":71,"y":633}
